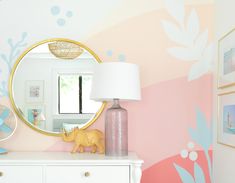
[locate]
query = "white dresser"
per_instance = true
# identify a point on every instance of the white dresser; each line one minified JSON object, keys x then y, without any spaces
{"x":53,"y":167}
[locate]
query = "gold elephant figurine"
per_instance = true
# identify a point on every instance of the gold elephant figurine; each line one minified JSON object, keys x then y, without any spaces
{"x":85,"y":138}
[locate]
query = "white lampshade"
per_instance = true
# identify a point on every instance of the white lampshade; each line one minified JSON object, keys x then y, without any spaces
{"x":116,"y":80}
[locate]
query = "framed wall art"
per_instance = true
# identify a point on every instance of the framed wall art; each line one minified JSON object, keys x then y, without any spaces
{"x":34,"y":91}
{"x":226,"y":60}
{"x":36,"y":115}
{"x":226,"y":118}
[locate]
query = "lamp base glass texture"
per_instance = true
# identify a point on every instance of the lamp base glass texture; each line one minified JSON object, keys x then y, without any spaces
{"x":116,"y":131}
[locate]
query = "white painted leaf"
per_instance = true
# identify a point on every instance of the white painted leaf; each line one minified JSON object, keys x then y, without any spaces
{"x":204,"y":65}
{"x":208,"y":56}
{"x":193,"y":25}
{"x":176,"y":9}
{"x":200,"y":43}
{"x":182,"y":53}
{"x":174,"y":33}
{"x":197,"y":70}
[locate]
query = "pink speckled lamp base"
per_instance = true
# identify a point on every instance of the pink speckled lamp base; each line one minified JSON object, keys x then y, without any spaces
{"x":116,"y":131}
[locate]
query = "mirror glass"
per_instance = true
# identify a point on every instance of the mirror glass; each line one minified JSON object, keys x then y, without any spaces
{"x":50,"y":86}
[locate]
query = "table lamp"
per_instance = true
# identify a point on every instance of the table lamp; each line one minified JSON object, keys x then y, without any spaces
{"x":114,"y":81}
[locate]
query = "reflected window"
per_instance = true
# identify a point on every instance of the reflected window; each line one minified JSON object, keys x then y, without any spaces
{"x":74,"y":94}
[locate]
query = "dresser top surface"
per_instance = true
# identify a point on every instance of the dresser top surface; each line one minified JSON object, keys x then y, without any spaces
{"x":66,"y":157}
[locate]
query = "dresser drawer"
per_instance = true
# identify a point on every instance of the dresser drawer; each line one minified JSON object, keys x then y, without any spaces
{"x":87,"y":174}
{"x":21,"y":174}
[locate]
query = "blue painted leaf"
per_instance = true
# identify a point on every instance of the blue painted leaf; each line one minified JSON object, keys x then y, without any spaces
{"x":185,"y":176}
{"x":4,"y":57}
{"x":10,"y":42}
{"x":24,"y":35}
{"x":202,"y":134}
{"x":198,"y":174}
{"x":4,"y":84}
{"x":23,"y":45}
{"x":16,"y":54}
{"x":5,"y":93}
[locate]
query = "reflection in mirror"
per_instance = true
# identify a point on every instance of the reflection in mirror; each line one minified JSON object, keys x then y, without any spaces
{"x":51,"y":87}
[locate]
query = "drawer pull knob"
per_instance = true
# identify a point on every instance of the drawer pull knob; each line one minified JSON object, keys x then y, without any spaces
{"x":87,"y":174}
{"x":1,"y":174}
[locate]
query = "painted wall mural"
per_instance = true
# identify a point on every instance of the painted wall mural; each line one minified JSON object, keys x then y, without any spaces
{"x":202,"y":135}
{"x":170,"y":128}
{"x":60,"y":18}
{"x":192,"y":44}
{"x":112,"y":56}
{"x":9,"y":59}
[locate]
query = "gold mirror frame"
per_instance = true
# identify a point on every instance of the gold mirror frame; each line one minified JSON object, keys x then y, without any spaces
{"x":14,"y":70}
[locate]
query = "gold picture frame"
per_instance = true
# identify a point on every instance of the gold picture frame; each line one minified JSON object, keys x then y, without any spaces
{"x":226,"y":118}
{"x":226,"y":60}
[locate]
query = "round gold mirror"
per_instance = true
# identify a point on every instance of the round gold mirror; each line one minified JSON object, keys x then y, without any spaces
{"x":50,"y":86}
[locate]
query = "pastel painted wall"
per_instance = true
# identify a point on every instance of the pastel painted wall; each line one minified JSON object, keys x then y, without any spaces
{"x":171,"y":42}
{"x":223,"y":155}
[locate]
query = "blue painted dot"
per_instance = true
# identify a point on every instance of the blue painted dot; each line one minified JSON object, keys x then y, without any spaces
{"x":55,"y":10}
{"x":9,"y":41}
{"x":69,"y":14}
{"x":109,"y":53}
{"x":61,"y":22}
{"x":122,"y":58}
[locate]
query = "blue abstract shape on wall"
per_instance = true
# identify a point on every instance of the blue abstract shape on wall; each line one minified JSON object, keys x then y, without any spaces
{"x":55,"y":10}
{"x":202,"y":135}
{"x":185,"y":176}
{"x":198,"y":174}
{"x":3,"y":89}
{"x":122,"y":57}
{"x":109,"y":53}
{"x":61,"y":21}
{"x":69,"y":14}
{"x":15,"y":49}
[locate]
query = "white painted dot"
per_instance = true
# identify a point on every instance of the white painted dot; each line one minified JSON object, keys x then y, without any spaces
{"x":193,"y":156}
{"x":184,"y":153}
{"x":190,"y":145}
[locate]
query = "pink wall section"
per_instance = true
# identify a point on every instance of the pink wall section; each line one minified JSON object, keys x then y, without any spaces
{"x":159,"y":123}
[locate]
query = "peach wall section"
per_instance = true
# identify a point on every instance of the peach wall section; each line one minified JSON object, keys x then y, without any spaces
{"x":144,"y":42}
